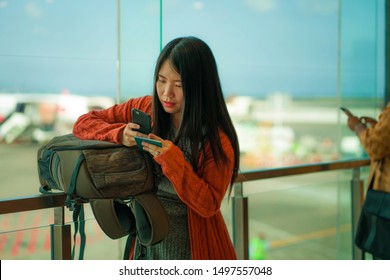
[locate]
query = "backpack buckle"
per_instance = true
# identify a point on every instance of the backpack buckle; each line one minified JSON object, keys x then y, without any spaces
{"x":71,"y":204}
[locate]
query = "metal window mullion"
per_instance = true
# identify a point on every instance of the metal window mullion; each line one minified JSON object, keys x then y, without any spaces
{"x":240,"y":222}
{"x":61,"y":243}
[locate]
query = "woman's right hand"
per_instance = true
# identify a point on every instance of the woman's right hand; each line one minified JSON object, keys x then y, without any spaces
{"x":128,"y":133}
{"x":353,"y":121}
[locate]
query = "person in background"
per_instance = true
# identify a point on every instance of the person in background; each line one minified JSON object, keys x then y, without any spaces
{"x":374,"y":135}
{"x":199,"y":157}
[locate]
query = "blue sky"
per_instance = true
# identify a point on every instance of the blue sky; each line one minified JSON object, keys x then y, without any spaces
{"x":261,"y":46}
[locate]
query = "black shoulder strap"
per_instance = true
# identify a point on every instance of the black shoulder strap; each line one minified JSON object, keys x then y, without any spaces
{"x":371,"y":178}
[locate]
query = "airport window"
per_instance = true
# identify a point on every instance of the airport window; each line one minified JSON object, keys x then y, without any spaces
{"x":285,"y":66}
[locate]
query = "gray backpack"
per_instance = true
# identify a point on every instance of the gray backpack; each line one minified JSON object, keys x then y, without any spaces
{"x":116,"y":180}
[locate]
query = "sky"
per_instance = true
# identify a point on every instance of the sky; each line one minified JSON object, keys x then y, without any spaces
{"x":261,"y":46}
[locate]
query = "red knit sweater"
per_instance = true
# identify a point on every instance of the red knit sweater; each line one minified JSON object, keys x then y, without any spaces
{"x":202,"y":192}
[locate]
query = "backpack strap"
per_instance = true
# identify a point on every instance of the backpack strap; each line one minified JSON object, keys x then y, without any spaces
{"x":78,"y":209}
{"x":113,"y":216}
{"x":79,"y":220}
{"x":151,"y":218}
{"x":116,"y":220}
{"x":70,"y":202}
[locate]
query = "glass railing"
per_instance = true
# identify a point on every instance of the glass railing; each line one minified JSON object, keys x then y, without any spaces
{"x":297,"y":212}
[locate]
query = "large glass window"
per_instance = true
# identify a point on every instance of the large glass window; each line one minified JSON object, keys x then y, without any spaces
{"x":58,"y":46}
{"x":286,"y":67}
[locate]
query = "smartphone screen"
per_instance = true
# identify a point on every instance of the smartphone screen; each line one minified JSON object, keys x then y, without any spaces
{"x":142,"y":119}
{"x":139,"y":141}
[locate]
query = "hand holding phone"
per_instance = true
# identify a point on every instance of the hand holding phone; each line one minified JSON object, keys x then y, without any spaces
{"x":353,"y":121}
{"x":368,"y":121}
{"x":142,"y":119}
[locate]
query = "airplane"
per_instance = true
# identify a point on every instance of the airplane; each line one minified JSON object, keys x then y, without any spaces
{"x":38,"y":117}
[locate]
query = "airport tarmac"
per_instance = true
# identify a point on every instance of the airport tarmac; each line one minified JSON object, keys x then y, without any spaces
{"x":300,"y":217}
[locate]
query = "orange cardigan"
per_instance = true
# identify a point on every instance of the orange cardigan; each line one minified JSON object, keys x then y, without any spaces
{"x":202,"y":193}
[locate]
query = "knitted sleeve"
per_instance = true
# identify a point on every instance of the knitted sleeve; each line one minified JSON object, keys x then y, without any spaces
{"x":107,"y":124}
{"x":202,"y":192}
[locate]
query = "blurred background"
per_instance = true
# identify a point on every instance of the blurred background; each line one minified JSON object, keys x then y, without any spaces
{"x":286,"y":67}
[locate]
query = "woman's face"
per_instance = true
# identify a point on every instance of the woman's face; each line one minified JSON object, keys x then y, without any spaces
{"x":170,"y":92}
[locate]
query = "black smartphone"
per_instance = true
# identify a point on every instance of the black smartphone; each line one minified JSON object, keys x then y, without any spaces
{"x":141,"y":118}
{"x":346,"y":111}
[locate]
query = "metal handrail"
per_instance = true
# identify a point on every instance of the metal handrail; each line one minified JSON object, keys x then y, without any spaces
{"x":240,"y":208}
{"x":301,"y":169}
{"x":31,"y":203}
{"x":240,"y":203}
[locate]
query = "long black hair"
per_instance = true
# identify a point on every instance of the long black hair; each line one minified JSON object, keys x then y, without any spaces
{"x":204,"y":109}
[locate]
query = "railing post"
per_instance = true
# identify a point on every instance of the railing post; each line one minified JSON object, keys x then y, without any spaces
{"x":357,"y":188}
{"x":240,"y":222}
{"x":60,"y":236}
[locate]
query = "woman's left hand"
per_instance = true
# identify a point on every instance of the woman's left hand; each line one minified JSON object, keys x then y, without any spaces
{"x":156,"y":150}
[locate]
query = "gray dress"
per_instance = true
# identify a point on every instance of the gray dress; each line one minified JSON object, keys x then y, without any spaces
{"x":176,"y":246}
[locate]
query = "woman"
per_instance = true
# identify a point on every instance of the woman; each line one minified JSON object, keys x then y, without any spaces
{"x":199,"y":157}
{"x":375,"y":138}
{"x":374,"y":135}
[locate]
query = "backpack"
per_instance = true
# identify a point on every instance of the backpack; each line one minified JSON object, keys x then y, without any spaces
{"x":116,"y":180}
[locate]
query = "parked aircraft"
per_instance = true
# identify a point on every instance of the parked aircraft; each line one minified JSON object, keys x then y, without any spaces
{"x":39,"y":117}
